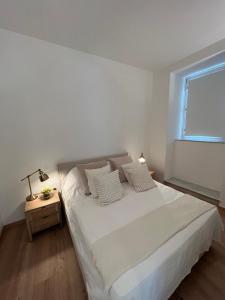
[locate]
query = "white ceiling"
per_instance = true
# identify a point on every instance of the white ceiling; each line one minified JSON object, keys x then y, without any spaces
{"x":145,"y":33}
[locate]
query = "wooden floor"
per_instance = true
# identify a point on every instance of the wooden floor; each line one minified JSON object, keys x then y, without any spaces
{"x":47,"y":269}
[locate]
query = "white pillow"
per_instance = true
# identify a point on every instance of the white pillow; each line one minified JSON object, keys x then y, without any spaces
{"x":109,"y":188}
{"x":92,"y":173}
{"x":141,"y":179}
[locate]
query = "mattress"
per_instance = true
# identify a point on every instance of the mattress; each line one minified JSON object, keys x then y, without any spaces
{"x":157,"y":276}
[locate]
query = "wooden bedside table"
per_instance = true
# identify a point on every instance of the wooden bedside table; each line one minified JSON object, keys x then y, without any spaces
{"x":42,"y":214}
{"x":152,"y":173}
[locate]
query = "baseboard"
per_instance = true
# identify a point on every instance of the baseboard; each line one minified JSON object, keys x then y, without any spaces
{"x":13,"y":224}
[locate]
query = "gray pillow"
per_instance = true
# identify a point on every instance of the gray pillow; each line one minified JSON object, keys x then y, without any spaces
{"x":117,"y":162}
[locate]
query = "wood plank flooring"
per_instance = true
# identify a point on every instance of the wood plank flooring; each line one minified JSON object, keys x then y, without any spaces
{"x":47,"y":269}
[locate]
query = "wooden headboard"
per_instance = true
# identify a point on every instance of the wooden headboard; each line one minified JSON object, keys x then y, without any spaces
{"x":65,"y":167}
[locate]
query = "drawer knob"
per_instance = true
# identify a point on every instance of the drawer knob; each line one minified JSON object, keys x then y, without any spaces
{"x":45,"y":217}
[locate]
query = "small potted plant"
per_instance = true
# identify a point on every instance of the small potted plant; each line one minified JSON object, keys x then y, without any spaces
{"x":46,"y":191}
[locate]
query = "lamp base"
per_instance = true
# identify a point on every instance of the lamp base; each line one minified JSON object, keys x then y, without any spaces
{"x":31,"y":197}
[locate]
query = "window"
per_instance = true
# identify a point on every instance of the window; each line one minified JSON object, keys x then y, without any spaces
{"x":203,"y":105}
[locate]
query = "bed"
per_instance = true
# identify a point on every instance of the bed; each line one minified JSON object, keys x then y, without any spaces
{"x":157,"y":276}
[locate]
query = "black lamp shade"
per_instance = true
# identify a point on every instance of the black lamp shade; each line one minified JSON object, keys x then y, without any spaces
{"x":43,"y":176}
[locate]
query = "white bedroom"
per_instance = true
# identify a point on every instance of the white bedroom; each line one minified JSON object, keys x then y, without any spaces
{"x":112,"y":158}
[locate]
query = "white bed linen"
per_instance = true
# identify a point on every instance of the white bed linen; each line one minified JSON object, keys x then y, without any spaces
{"x":157,"y":276}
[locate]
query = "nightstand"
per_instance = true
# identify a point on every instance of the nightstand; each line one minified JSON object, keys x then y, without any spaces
{"x":152,"y":173}
{"x":42,"y":214}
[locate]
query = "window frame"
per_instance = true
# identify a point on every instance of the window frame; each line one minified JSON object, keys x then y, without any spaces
{"x":184,"y":104}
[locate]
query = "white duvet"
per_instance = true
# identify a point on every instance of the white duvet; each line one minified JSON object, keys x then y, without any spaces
{"x":158,"y":275}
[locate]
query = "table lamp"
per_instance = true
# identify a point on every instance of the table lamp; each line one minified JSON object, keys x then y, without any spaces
{"x":42,"y":176}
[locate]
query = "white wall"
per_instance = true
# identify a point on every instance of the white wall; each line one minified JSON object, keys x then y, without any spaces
{"x":158,"y":118}
{"x":200,"y":163}
{"x":59,"y":104}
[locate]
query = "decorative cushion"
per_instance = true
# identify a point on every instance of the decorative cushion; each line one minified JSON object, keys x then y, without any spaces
{"x":130,"y":166}
{"x":92,"y":173}
{"x":141,"y":179}
{"x":117,"y":162}
{"x":83,"y":178}
{"x":109,"y":188}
